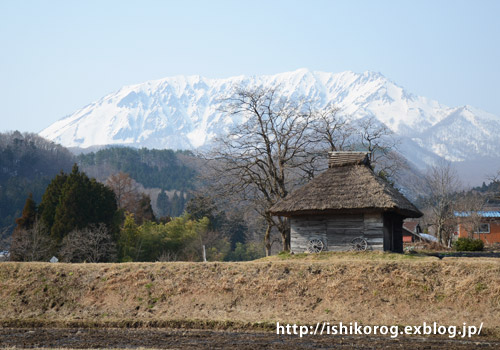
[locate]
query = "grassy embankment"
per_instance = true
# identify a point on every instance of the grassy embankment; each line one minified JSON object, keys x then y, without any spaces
{"x":371,"y":288}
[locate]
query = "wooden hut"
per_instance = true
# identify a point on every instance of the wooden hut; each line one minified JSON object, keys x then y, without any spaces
{"x":347,"y":206}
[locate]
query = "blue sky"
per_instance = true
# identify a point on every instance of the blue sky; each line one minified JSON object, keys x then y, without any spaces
{"x":57,"y":56}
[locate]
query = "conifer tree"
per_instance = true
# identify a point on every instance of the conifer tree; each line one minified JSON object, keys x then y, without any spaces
{"x":50,"y":200}
{"x":74,"y":202}
{"x":29,"y":215}
{"x":163,"y":203}
{"x":144,"y":211}
{"x":176,"y":208}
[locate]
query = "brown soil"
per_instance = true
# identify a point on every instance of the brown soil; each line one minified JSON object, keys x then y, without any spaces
{"x":197,"y":339}
{"x":371,"y":288}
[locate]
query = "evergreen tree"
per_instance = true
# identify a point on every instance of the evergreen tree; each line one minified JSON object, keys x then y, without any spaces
{"x":182,"y":202}
{"x":50,"y":200}
{"x":144,"y":211}
{"x":74,"y":202}
{"x":129,"y":244}
{"x":22,"y":237}
{"x":104,"y":207}
{"x":236,"y":230}
{"x":202,"y":206}
{"x":175,"y":209}
{"x":484,"y":188}
{"x":29,"y":215}
{"x":232,"y":228}
{"x":163,"y":203}
{"x":73,"y":209}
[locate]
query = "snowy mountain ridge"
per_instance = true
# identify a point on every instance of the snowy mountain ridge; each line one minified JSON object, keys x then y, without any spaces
{"x":182,"y":112}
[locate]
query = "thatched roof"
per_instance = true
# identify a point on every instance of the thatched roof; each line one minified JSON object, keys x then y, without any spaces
{"x":350,"y":186}
{"x":347,"y":158}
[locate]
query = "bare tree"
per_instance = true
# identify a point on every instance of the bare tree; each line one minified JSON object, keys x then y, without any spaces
{"x":167,"y":256}
{"x":129,"y":197}
{"x":92,"y":244}
{"x":125,"y":189}
{"x":31,"y":244}
{"x":263,"y":155}
{"x":334,"y":129}
{"x":279,"y":144}
{"x":381,"y":143}
{"x":331,"y":132}
{"x":441,"y":182}
{"x":495,"y":189}
{"x":469,"y":207}
{"x":5,"y":238}
{"x":494,"y":177}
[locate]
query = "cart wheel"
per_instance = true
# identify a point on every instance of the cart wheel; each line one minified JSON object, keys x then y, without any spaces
{"x":315,"y":246}
{"x":359,"y":244}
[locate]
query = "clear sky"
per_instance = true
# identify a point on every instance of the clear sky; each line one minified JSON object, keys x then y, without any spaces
{"x":57,"y":56}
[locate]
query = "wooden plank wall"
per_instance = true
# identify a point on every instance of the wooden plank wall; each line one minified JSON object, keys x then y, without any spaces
{"x":337,"y":231}
{"x":374,"y":230}
{"x":303,"y":229}
{"x":342,"y":229}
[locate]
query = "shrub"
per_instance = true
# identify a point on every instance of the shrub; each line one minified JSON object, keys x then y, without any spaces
{"x":468,"y":244}
{"x":92,"y":244}
{"x":246,"y":252}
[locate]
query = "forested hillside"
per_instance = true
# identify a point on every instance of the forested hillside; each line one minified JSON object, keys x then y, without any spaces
{"x":150,"y":167}
{"x":163,"y":174}
{"x":28,"y":162}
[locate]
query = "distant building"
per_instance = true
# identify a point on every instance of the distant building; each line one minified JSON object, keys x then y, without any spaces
{"x":347,"y":206}
{"x":411,"y":231}
{"x":4,"y":255}
{"x":483,"y":224}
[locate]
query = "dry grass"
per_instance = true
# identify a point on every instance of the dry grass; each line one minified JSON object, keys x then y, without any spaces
{"x":50,"y":348}
{"x":371,"y":288}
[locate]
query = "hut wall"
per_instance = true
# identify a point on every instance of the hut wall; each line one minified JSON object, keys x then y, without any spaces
{"x":303,"y":229}
{"x":342,"y":229}
{"x":374,"y":230}
{"x":337,"y":231}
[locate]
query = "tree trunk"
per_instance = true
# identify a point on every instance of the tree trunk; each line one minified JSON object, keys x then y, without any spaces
{"x":440,"y":233}
{"x":267,"y":240}
{"x":285,"y":238}
{"x":284,"y":228}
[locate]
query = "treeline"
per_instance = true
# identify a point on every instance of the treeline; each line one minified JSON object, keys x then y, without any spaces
{"x":171,"y":206}
{"x":492,"y":187}
{"x":28,"y":162}
{"x":151,"y":168}
{"x":184,"y":238}
{"x":82,"y":220}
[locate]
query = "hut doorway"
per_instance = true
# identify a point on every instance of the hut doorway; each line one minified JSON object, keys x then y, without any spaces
{"x":393,"y":233}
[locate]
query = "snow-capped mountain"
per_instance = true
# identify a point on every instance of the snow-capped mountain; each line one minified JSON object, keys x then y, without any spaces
{"x":184,"y":113}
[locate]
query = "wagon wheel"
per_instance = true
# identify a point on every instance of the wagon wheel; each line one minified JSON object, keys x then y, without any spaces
{"x":359,"y":244}
{"x":315,"y":246}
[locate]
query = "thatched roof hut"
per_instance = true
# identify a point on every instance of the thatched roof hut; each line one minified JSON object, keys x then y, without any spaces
{"x":349,"y":185}
{"x":345,"y":202}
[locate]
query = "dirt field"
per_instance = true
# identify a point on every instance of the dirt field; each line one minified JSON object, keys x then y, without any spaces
{"x":196,"y":339}
{"x":232,"y":301}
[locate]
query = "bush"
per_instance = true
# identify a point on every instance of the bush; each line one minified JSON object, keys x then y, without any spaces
{"x":468,"y":244}
{"x":246,"y":252}
{"x":179,"y":239}
{"x":93,"y":244}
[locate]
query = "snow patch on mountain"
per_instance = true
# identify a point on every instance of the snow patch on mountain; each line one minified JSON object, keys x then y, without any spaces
{"x":183,"y":112}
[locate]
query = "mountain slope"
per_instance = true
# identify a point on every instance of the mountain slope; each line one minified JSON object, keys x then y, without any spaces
{"x":183,"y":113}
{"x":27,"y":165}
